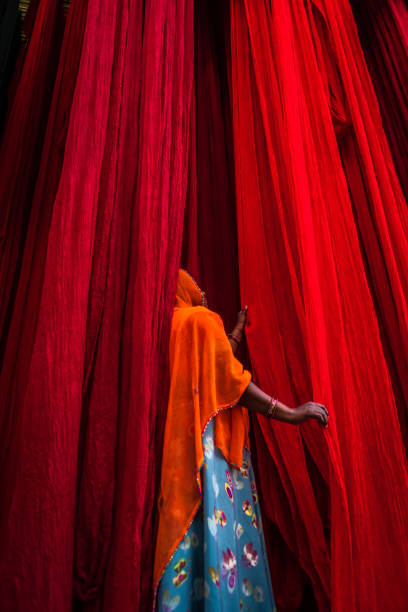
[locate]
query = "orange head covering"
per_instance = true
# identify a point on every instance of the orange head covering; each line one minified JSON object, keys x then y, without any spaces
{"x":205,"y":379}
{"x":188,"y":292}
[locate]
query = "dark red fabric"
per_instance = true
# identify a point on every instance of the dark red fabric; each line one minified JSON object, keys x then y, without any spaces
{"x":17,"y":334}
{"x":314,"y":332}
{"x":21,"y":146}
{"x":383,"y":32}
{"x":210,"y":238}
{"x":27,"y":26}
{"x":10,"y":44}
{"x":85,"y":433}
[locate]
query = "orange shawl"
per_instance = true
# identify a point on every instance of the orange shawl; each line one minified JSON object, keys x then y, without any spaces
{"x":205,"y":378}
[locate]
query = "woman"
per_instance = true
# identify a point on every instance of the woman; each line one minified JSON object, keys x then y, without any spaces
{"x":210,"y":550}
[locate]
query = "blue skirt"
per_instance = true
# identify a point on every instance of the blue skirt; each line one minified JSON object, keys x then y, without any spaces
{"x":221,"y":563}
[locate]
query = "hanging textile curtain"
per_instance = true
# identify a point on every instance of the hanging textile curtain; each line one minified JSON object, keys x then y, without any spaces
{"x":383,"y":31}
{"x":210,"y":250}
{"x":21,"y":146}
{"x":210,"y":239}
{"x":18,"y":332}
{"x":83,"y":435}
{"x":335,"y":496}
{"x":19,"y":323}
{"x":27,"y":25}
{"x":9,"y":46}
{"x":387,"y":279}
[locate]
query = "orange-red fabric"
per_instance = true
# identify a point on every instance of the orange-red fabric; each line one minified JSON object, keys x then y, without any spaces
{"x":205,"y":378}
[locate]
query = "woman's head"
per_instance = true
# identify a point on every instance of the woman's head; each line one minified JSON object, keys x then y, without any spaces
{"x":188,"y":292}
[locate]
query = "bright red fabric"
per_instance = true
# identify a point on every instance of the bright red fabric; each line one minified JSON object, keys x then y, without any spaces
{"x":85,"y":433}
{"x":313,"y":331}
{"x":383,"y":32}
{"x":382,"y":244}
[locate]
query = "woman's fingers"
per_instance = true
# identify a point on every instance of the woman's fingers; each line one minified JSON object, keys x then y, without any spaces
{"x":322,"y":406}
{"x":324,"y":417}
{"x":244,"y":311}
{"x":313,"y":410}
{"x":320,"y":413}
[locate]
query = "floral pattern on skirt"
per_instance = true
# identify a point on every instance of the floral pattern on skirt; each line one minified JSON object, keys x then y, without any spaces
{"x":221,"y":563}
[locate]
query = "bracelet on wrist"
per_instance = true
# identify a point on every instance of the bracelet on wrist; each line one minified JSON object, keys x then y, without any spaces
{"x":272,"y":408}
{"x":234,"y":337}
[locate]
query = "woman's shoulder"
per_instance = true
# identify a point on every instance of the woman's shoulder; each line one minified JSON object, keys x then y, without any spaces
{"x":199,"y":316}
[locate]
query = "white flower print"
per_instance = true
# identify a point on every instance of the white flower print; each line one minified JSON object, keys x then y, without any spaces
{"x":215,"y":485}
{"x":208,"y":447}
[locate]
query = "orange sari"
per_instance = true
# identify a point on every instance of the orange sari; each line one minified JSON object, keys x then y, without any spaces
{"x":205,"y":379}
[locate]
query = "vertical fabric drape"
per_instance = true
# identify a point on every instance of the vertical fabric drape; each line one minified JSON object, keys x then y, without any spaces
{"x":210,"y":238}
{"x":98,"y":163}
{"x":314,"y":331}
{"x":21,"y":305}
{"x":27,"y":26}
{"x":382,"y":243}
{"x":21,"y":146}
{"x":84,"y":434}
{"x":383,"y":32}
{"x":9,"y":46}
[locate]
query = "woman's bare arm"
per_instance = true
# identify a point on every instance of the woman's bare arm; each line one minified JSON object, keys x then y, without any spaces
{"x":235,"y":336}
{"x":255,"y":399}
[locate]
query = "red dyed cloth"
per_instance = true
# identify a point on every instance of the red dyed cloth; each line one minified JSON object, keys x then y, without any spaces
{"x":210,"y":249}
{"x":322,"y":247}
{"x":21,"y":146}
{"x":84,"y":435}
{"x":336,"y":496}
{"x":383,"y":32}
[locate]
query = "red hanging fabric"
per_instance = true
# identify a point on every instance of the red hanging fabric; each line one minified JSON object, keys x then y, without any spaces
{"x":152,"y":268}
{"x":85,"y":433}
{"x":10,"y":44}
{"x":387,"y":281}
{"x":27,"y":27}
{"x":314,"y":332}
{"x":18,"y":332}
{"x":21,"y":146}
{"x":210,"y":239}
{"x":383,"y":31}
{"x":206,"y":237}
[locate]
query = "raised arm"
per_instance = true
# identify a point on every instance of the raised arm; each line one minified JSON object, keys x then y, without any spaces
{"x":235,"y":336}
{"x":257,"y":400}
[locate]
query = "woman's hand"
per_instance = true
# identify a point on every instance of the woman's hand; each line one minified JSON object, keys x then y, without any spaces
{"x":310,"y":410}
{"x":242,"y":319}
{"x":255,"y":399}
{"x":235,"y":336}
